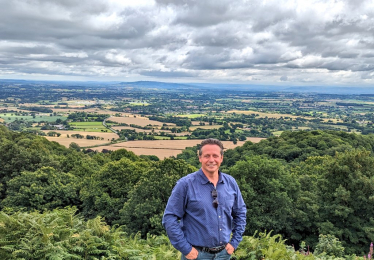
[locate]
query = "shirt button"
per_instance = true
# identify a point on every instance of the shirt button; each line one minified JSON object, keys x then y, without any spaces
{"x":219,"y":216}
{"x":220,"y":229}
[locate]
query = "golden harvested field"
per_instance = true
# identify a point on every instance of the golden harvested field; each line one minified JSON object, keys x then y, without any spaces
{"x":64,"y":140}
{"x":1,"y":120}
{"x":165,"y":148}
{"x":301,"y":128}
{"x":138,"y":120}
{"x":204,"y":127}
{"x":36,"y":105}
{"x":261,"y":114}
{"x":118,"y":128}
{"x":334,"y":120}
{"x":9,"y":108}
{"x":269,"y":100}
{"x":89,"y":110}
{"x":198,"y":123}
{"x":138,"y":130}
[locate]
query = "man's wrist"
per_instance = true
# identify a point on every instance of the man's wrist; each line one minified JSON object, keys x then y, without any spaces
{"x":233,"y":244}
{"x":187,"y":250}
{"x":193,"y":254}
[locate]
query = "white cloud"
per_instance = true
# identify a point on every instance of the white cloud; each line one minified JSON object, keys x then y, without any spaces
{"x":117,"y":58}
{"x":269,"y":42}
{"x":75,"y":54}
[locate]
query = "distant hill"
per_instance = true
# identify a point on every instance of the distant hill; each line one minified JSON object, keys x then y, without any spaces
{"x":204,"y":86}
{"x":293,"y":89}
{"x":256,"y":88}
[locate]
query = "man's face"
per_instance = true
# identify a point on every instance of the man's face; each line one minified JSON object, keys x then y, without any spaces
{"x":210,"y":158}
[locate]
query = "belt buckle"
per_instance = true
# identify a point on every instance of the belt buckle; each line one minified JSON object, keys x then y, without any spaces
{"x":216,"y":249}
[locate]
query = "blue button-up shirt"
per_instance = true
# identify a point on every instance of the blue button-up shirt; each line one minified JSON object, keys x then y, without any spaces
{"x":190,"y":218}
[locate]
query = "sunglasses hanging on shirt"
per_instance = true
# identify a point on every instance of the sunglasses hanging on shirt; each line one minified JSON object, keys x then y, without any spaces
{"x":215,"y":200}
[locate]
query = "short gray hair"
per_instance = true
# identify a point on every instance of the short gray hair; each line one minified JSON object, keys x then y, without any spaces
{"x":211,"y":141}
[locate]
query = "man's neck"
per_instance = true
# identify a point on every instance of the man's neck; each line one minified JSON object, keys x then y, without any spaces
{"x":212,"y":177}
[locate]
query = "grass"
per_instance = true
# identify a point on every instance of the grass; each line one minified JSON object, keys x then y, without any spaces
{"x":277,"y":133}
{"x":236,"y":131}
{"x":162,"y":137}
{"x":180,"y":138}
{"x":205,"y":127}
{"x":8,"y":117}
{"x":88,"y":126}
{"x":191,"y":115}
{"x":139,"y":104}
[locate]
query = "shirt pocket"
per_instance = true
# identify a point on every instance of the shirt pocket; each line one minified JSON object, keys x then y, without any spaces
{"x":229,"y":200}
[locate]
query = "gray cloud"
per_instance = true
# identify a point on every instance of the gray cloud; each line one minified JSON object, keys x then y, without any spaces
{"x":284,"y":78}
{"x":168,"y":74}
{"x":325,"y":42}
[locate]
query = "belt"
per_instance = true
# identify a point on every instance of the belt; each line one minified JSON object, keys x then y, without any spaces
{"x":211,"y":250}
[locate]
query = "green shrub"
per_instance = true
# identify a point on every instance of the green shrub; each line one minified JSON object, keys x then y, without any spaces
{"x":329,"y":245}
{"x":61,"y":234}
{"x":267,"y":247}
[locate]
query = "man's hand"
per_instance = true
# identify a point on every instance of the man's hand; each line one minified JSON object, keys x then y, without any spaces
{"x":230,"y":249}
{"x":193,"y":254}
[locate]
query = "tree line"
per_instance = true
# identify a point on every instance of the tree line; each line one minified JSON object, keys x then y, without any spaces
{"x":300,"y":185}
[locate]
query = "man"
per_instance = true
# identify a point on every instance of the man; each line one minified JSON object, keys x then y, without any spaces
{"x":205,"y":207}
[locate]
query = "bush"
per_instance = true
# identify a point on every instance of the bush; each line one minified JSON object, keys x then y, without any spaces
{"x":266,"y":247}
{"x":329,"y":245}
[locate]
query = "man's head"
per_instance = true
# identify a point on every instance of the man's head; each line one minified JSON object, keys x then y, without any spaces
{"x":211,"y":155}
{"x":211,"y":141}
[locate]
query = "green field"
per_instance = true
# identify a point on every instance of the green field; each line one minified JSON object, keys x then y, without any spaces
{"x":162,"y":137}
{"x":277,"y":133}
{"x":236,"y":131}
{"x":8,"y":117}
{"x":191,"y":115}
{"x":88,"y":126}
{"x":138,"y":104}
{"x":180,"y":138}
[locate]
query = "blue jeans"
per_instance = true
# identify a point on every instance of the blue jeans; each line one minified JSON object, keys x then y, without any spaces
{"x":223,"y":255}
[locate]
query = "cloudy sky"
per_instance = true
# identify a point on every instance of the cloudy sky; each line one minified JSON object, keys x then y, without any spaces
{"x":277,"y":42}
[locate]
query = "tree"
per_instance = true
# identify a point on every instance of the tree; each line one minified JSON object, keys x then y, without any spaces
{"x":25,"y":152}
{"x":44,"y":189}
{"x":269,"y":191}
{"x":74,"y":146}
{"x":347,"y":204}
{"x":143,"y":210}
{"x":341,"y":192}
{"x":107,"y":190}
{"x":123,"y":153}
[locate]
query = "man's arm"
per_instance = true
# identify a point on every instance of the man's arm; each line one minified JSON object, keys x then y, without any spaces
{"x":174,"y":211}
{"x":239,"y":219}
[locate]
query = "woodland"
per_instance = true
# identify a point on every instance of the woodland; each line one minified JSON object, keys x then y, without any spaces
{"x":309,"y":195}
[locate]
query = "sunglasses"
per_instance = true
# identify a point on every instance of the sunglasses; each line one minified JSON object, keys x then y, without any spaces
{"x":215,"y":195}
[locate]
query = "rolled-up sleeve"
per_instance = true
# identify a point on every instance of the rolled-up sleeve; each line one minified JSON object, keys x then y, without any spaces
{"x":174,"y":211}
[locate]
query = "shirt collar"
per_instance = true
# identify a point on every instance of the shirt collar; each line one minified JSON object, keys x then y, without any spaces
{"x":204,"y":179}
